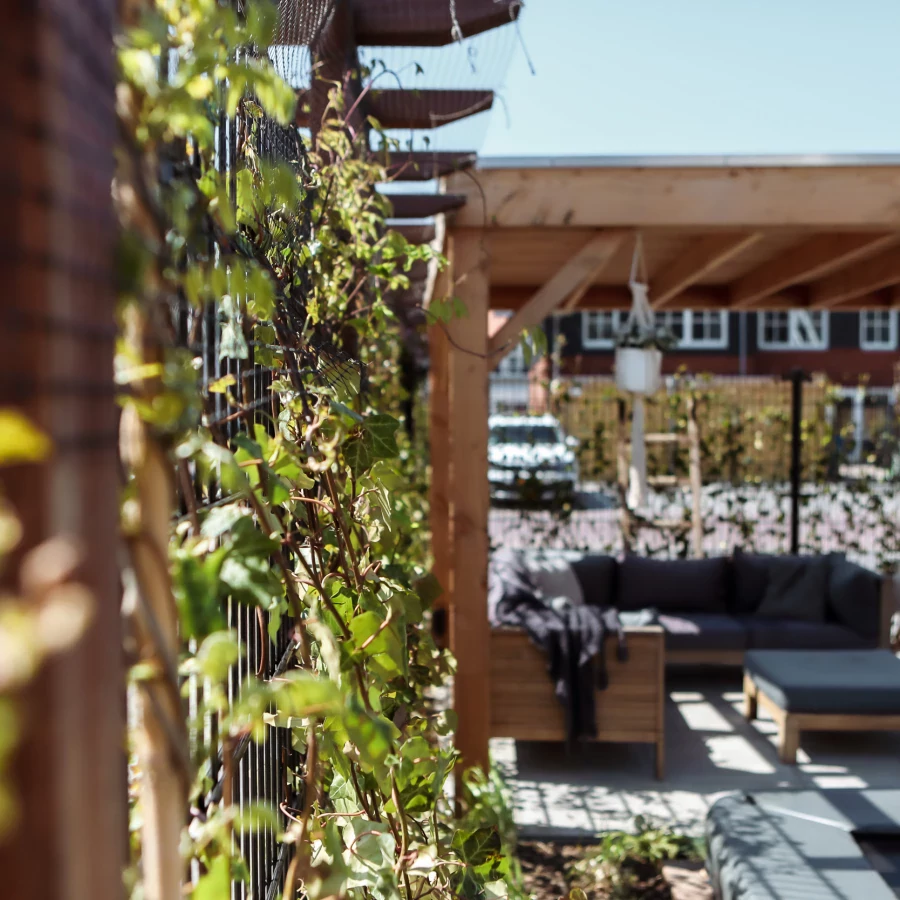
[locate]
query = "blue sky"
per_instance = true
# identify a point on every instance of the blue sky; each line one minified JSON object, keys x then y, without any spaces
{"x":702,"y":76}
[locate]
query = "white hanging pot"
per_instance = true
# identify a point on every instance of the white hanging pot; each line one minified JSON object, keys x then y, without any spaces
{"x":638,"y":369}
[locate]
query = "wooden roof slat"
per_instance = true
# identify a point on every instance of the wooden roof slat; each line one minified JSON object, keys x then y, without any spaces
{"x":862,"y":278}
{"x":579,"y":271}
{"x":426,"y":109}
{"x":408,"y":109}
{"x":424,"y":165}
{"x":426,"y":23}
{"x":741,"y":197}
{"x":423,"y":206}
{"x":704,"y":256}
{"x":812,"y":259}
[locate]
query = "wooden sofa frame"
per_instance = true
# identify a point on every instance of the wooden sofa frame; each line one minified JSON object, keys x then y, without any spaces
{"x":523,"y":704}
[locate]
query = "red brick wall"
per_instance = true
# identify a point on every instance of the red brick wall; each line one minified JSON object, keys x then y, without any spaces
{"x":57,"y":236}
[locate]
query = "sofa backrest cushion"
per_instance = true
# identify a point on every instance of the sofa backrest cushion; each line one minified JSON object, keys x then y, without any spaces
{"x":683,"y":585}
{"x":597,"y":574}
{"x":797,"y":588}
{"x":553,"y":576}
{"x":750,"y":578}
{"x":854,"y":598}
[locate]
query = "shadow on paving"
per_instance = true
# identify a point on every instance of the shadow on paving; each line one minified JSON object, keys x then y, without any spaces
{"x":710,"y":750}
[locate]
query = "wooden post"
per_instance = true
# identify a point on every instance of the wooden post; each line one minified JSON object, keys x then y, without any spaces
{"x":696,"y":479}
{"x":470,"y":630}
{"x":439,"y":438}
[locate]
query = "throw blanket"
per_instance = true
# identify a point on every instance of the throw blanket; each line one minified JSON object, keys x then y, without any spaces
{"x":571,"y":635}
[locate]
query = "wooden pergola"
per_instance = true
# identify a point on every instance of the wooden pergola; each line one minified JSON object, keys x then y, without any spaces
{"x":536,"y":237}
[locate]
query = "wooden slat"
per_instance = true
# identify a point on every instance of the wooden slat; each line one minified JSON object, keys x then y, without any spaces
{"x":744,"y":197}
{"x":387,"y":23}
{"x":426,"y":165}
{"x":422,"y":206}
{"x":862,"y":278}
{"x":814,"y":258}
{"x":425,"y":109}
{"x":581,"y":269}
{"x":704,"y":256}
{"x":470,"y":631}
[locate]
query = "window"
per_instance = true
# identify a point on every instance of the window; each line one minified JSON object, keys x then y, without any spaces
{"x":878,"y":330}
{"x":514,"y":362}
{"x":796,"y":329}
{"x":598,"y":329}
{"x":707,"y":330}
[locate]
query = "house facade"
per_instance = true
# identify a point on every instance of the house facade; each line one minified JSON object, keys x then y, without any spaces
{"x":846,"y":346}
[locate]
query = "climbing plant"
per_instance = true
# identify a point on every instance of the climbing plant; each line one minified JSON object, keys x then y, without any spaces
{"x":297,"y":503}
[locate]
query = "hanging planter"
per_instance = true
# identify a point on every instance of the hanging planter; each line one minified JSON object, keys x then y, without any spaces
{"x":639,"y":349}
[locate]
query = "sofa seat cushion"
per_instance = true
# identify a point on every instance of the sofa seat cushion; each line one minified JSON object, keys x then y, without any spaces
{"x":788,"y":634}
{"x":703,"y":631}
{"x":836,"y":681}
{"x":673,"y":585}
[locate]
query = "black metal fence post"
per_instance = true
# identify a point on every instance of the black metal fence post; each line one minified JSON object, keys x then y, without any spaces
{"x":796,"y":377}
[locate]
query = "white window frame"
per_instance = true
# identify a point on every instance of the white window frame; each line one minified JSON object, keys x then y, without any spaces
{"x":794,"y":341}
{"x":513,"y":364}
{"x":890,"y":343}
{"x":687,"y":342}
{"x":589,"y":343}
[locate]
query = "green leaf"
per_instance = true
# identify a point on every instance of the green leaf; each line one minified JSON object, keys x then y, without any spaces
{"x":382,"y":430}
{"x":20,"y":440}
{"x":217,"y":654}
{"x":216,"y":883}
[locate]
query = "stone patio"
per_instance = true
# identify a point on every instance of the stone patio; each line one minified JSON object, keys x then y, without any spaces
{"x":710,"y":750}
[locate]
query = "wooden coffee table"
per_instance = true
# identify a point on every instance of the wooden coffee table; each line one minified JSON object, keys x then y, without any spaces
{"x":822,"y":690}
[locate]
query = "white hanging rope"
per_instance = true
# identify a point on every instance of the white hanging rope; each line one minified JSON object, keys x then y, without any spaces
{"x":641,"y":315}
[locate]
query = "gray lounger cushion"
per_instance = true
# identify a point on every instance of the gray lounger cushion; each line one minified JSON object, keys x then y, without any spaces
{"x":782,"y":634}
{"x":839,"y":681}
{"x":783,"y":846}
{"x":682,"y":585}
{"x":703,"y":631}
{"x":854,"y":598}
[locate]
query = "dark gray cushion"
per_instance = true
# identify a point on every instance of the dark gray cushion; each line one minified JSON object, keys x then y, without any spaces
{"x":703,"y":631}
{"x":750,"y":578}
{"x":597,"y":575}
{"x":836,"y":681}
{"x":797,"y":589}
{"x":781,"y":634}
{"x":854,"y":598}
{"x":682,"y":585}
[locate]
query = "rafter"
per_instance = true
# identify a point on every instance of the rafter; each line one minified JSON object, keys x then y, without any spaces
{"x":422,"y":206}
{"x":862,"y":278}
{"x":386,"y":23}
{"x":426,"y":165}
{"x":814,"y":258}
{"x":580,"y":270}
{"x":704,"y":256}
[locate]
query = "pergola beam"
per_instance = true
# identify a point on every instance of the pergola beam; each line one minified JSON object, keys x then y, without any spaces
{"x":814,"y":258}
{"x":703,"y":257}
{"x":863,"y":278}
{"x":578,"y":272}
{"x":710,"y":197}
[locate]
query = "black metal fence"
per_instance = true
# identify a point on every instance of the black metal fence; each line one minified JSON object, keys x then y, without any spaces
{"x":792,"y":465}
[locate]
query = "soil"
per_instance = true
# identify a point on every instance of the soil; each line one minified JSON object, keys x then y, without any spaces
{"x":545,"y":867}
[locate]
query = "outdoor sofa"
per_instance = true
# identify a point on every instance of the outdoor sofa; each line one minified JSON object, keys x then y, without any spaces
{"x":713,"y":610}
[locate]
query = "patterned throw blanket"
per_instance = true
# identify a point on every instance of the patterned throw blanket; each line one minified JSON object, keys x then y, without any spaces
{"x":570,"y":633}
